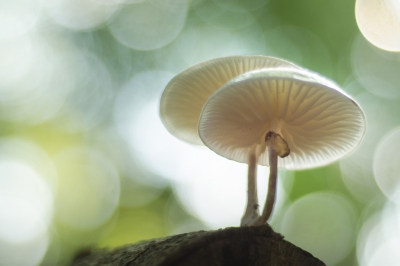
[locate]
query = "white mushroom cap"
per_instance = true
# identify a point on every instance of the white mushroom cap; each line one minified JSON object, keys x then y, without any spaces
{"x":185,"y":95}
{"x":319,"y":122}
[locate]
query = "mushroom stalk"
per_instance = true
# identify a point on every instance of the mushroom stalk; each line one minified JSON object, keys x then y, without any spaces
{"x":273,"y":173}
{"x":277,"y":146}
{"x":251,"y":211}
{"x":270,"y":201}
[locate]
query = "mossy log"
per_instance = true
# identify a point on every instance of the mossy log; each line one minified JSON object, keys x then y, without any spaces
{"x":256,"y":245}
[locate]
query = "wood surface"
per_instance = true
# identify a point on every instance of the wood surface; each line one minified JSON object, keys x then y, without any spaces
{"x":241,"y":246}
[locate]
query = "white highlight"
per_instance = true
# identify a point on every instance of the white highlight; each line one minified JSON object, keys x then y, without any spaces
{"x":28,"y":253}
{"x":379,"y":22}
{"x":27,"y":184}
{"x":17,"y":17}
{"x":138,"y":122}
{"x":16,"y":59}
{"x":25,"y":203}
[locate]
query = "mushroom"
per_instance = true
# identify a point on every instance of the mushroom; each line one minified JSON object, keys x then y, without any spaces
{"x":185,"y":95}
{"x":303,"y":118}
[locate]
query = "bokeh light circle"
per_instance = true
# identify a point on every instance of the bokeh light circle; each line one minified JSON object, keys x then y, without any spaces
{"x":89,"y":188}
{"x":321,"y":223}
{"x":212,"y":188}
{"x":216,"y":194}
{"x":155,"y":147}
{"x":25,"y":203}
{"x":16,"y":58}
{"x":90,"y":93}
{"x":137,"y":119}
{"x":280,"y":40}
{"x":147,"y":26}
{"x":27,"y":187}
{"x":386,"y":165}
{"x":241,"y":6}
{"x":79,"y":14}
{"x":29,"y":154}
{"x":30,"y":253}
{"x":379,"y":22}
{"x":40,"y":80}
{"x":17,"y":17}
{"x":376,"y":70}
{"x":357,"y":170}
{"x":198,"y":43}
{"x":379,"y":237}
{"x":387,"y":254}
{"x":215,"y":15}
{"x":37,"y":91}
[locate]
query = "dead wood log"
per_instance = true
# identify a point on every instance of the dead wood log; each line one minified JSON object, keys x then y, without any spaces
{"x":242,"y":246}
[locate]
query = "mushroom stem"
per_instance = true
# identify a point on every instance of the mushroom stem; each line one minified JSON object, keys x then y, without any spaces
{"x":270,"y":201}
{"x":251,"y":211}
{"x":273,"y":173}
{"x":277,"y":146}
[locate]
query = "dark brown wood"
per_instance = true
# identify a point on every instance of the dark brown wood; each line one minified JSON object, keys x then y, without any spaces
{"x":241,"y":246}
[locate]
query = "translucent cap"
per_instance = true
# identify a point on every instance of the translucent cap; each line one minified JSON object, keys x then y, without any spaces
{"x":185,"y":95}
{"x":319,"y":122}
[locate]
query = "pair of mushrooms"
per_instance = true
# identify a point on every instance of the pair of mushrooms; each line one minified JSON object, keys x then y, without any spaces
{"x":254,"y":109}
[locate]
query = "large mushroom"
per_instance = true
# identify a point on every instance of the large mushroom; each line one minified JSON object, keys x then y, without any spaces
{"x":185,"y":95}
{"x":303,"y":118}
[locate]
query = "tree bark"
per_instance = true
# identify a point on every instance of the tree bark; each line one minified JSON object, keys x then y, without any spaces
{"x":242,"y":246}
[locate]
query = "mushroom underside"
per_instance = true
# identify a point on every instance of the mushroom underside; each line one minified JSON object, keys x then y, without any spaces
{"x":319,"y":124}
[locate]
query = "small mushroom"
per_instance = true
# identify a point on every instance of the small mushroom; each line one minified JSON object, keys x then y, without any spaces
{"x":185,"y":95}
{"x":303,"y":118}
